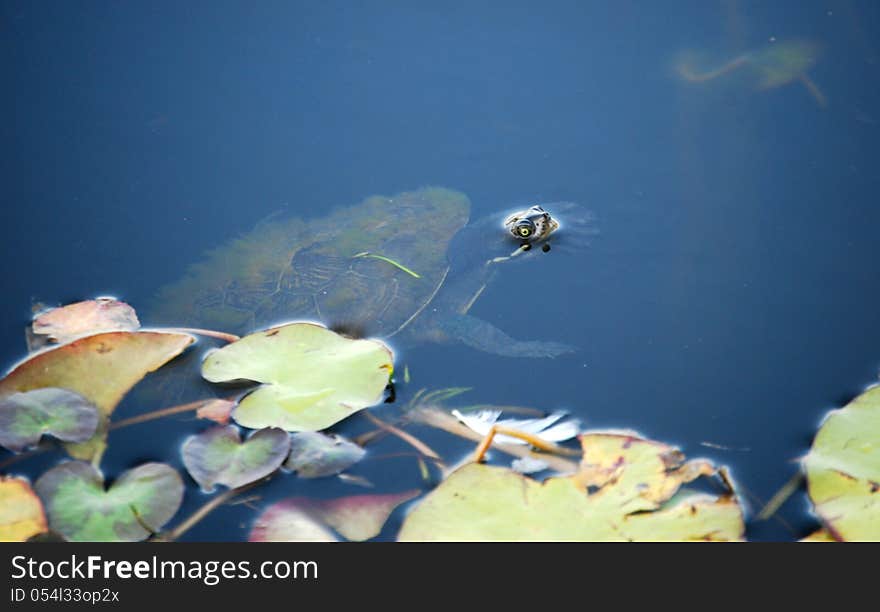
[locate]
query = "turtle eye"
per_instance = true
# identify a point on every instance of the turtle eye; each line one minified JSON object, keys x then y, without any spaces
{"x":524,"y":228}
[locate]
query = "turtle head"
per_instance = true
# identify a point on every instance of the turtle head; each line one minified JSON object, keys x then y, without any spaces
{"x":531,"y":225}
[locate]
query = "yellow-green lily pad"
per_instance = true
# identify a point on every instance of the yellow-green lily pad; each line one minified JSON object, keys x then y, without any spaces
{"x":312,"y":377}
{"x":101,"y":368}
{"x":139,"y":503}
{"x":843,"y":469}
{"x":21,"y":512}
{"x":25,"y":417}
{"x":622,"y":491}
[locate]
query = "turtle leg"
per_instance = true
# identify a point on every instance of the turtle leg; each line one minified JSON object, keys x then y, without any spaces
{"x":485,"y":337}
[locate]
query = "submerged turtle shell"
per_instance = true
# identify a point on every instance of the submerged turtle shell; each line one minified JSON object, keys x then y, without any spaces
{"x":316,"y":269}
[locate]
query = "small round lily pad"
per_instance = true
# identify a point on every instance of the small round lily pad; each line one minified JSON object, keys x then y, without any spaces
{"x":137,"y":504}
{"x":25,"y":417}
{"x":218,"y":456}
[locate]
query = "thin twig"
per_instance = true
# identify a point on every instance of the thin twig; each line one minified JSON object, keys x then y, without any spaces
{"x":204,"y":332}
{"x":202,"y":512}
{"x":158,"y":414}
{"x":164,"y":412}
{"x":781,"y":496}
{"x":406,"y":437}
{"x":448,"y":423}
{"x":42,"y":448}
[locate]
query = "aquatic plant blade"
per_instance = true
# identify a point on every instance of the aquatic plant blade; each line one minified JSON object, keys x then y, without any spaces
{"x":356,"y":517}
{"x":65,"y":323}
{"x":141,"y":500}
{"x":218,"y":456}
{"x":312,"y":377}
{"x":101,"y":368}
{"x":623,"y":491}
{"x":21,"y":512}
{"x":25,"y":417}
{"x":843,"y":469}
{"x":315,"y":455}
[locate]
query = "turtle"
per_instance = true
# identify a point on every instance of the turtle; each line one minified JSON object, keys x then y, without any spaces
{"x":406,"y":268}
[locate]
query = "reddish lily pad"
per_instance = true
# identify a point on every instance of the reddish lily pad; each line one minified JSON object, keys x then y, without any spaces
{"x":300,"y":519}
{"x":218,"y":410}
{"x":140,"y":502}
{"x":65,"y":323}
{"x":218,"y":456}
{"x":314,"y":455}
{"x":21,"y":512}
{"x":101,"y":368}
{"x":25,"y":417}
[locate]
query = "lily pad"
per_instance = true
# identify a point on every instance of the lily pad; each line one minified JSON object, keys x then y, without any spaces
{"x":218,"y":456}
{"x":65,"y":323}
{"x":622,"y":491}
{"x":315,"y":455}
{"x":21,"y":513}
{"x":141,"y":501}
{"x":25,"y":417}
{"x":300,"y":519}
{"x":843,"y":469}
{"x":101,"y":368}
{"x":312,"y":377}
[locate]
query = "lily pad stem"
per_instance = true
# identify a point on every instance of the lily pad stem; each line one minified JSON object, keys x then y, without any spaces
{"x":204,"y":511}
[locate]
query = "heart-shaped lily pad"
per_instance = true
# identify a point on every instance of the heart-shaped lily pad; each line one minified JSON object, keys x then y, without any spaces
{"x":25,"y":417}
{"x":313,"y":377}
{"x":21,"y":513}
{"x":314,"y":455}
{"x":218,"y":456}
{"x":101,"y":368}
{"x":300,"y":519}
{"x":141,"y":501}
{"x":843,"y":469}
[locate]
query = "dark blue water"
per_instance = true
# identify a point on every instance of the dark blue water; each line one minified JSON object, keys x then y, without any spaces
{"x":731,"y":297}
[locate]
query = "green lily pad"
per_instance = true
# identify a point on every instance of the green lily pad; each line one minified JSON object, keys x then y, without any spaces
{"x":301,"y":519}
{"x":101,"y":368}
{"x":21,"y":512}
{"x":843,"y":469}
{"x":622,"y":491}
{"x":312,"y":377}
{"x":141,"y":500}
{"x":218,"y":456}
{"x":25,"y":417}
{"x":315,"y":455}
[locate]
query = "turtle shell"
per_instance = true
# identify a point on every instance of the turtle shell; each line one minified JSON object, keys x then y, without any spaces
{"x":372,"y":267}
